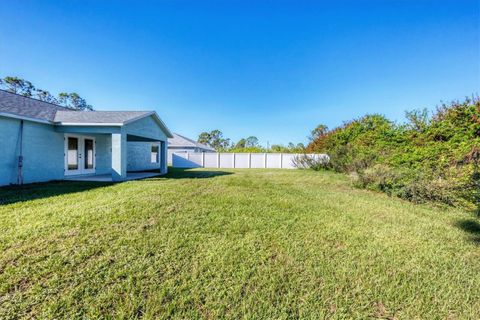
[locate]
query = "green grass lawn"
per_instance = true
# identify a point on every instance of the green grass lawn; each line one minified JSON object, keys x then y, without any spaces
{"x":233,"y":244}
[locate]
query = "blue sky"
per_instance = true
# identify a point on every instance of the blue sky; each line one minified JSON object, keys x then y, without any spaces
{"x":273,"y":69}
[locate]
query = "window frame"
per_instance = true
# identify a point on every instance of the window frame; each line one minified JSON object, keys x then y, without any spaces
{"x":157,"y":153}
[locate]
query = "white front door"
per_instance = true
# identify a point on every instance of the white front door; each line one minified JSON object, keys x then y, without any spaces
{"x":79,"y":154}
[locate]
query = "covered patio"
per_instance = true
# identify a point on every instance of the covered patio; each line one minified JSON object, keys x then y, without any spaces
{"x":132,"y":147}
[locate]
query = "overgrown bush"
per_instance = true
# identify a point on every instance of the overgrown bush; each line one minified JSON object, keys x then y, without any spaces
{"x":314,"y":162}
{"x":429,"y":158}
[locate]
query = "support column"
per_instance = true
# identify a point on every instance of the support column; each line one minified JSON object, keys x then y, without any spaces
{"x":119,"y":156}
{"x":164,"y":160}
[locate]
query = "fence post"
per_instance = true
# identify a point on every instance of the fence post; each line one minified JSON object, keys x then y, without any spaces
{"x":265,"y":160}
{"x":249,"y":161}
{"x":233,"y":160}
{"x":203,"y":159}
{"x":218,"y":160}
{"x":281,"y":160}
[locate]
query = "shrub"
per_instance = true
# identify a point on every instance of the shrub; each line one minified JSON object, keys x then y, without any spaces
{"x":378,"y":177}
{"x":429,"y":158}
{"x":314,"y":162}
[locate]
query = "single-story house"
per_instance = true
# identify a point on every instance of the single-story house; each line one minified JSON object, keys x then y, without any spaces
{"x":40,"y":141}
{"x":179,"y":143}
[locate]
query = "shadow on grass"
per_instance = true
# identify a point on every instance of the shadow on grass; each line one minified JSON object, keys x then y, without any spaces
{"x":472,"y":227}
{"x":14,"y":194}
{"x":178,"y":173}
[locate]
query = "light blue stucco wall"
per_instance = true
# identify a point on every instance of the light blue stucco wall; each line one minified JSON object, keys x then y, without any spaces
{"x":103,"y":153}
{"x":103,"y":143}
{"x":138,"y":153}
{"x":146,"y":127}
{"x":139,"y":156}
{"x":43,"y":150}
{"x":9,"y":132}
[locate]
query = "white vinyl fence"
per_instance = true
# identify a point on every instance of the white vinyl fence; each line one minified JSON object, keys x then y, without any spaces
{"x":238,"y":160}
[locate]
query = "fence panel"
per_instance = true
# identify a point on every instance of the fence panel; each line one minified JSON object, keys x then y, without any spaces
{"x":211,"y":160}
{"x":257,"y":160}
{"x":274,"y":160}
{"x":182,"y":160}
{"x":238,"y":160}
{"x":242,"y":160}
{"x":226,"y":160}
{"x":287,"y":161}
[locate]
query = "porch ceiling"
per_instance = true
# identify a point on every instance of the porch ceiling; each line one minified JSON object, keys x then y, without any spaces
{"x":131,"y":137}
{"x":88,"y":129}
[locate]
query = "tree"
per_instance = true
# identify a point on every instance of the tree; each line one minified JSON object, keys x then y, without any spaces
{"x":18,"y":86}
{"x":214,"y":139}
{"x":217,"y":141}
{"x":320,"y":130}
{"x":204,"y":138}
{"x":418,"y":119}
{"x":291,"y":148}
{"x":44,"y":95}
{"x":73,"y":101}
{"x":240,"y":144}
{"x":300,"y":147}
{"x":277,"y":148}
{"x":26,"y":88}
{"x":251,"y":142}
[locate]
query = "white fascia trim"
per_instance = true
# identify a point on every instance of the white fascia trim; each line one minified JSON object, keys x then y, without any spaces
{"x":16,"y":116}
{"x":116,"y":124}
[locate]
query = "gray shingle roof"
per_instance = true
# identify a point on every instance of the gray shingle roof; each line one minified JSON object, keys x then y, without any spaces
{"x":184,"y":142}
{"x":27,"y":107}
{"x":98,"y":116}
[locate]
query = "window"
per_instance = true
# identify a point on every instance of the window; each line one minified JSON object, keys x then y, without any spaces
{"x":154,"y":154}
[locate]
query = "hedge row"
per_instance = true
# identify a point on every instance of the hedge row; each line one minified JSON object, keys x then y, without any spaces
{"x":432,"y":157}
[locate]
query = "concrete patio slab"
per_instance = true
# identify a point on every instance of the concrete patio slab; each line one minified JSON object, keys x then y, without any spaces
{"x":108,"y":177}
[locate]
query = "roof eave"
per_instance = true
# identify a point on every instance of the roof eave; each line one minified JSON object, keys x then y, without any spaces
{"x":180,"y":146}
{"x":89,"y":124}
{"x":19,"y":117}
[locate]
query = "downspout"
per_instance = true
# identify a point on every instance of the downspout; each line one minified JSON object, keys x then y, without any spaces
{"x":20,"y":157}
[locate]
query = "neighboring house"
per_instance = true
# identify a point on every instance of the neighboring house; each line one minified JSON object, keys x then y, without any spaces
{"x":180,"y":143}
{"x":40,"y":141}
